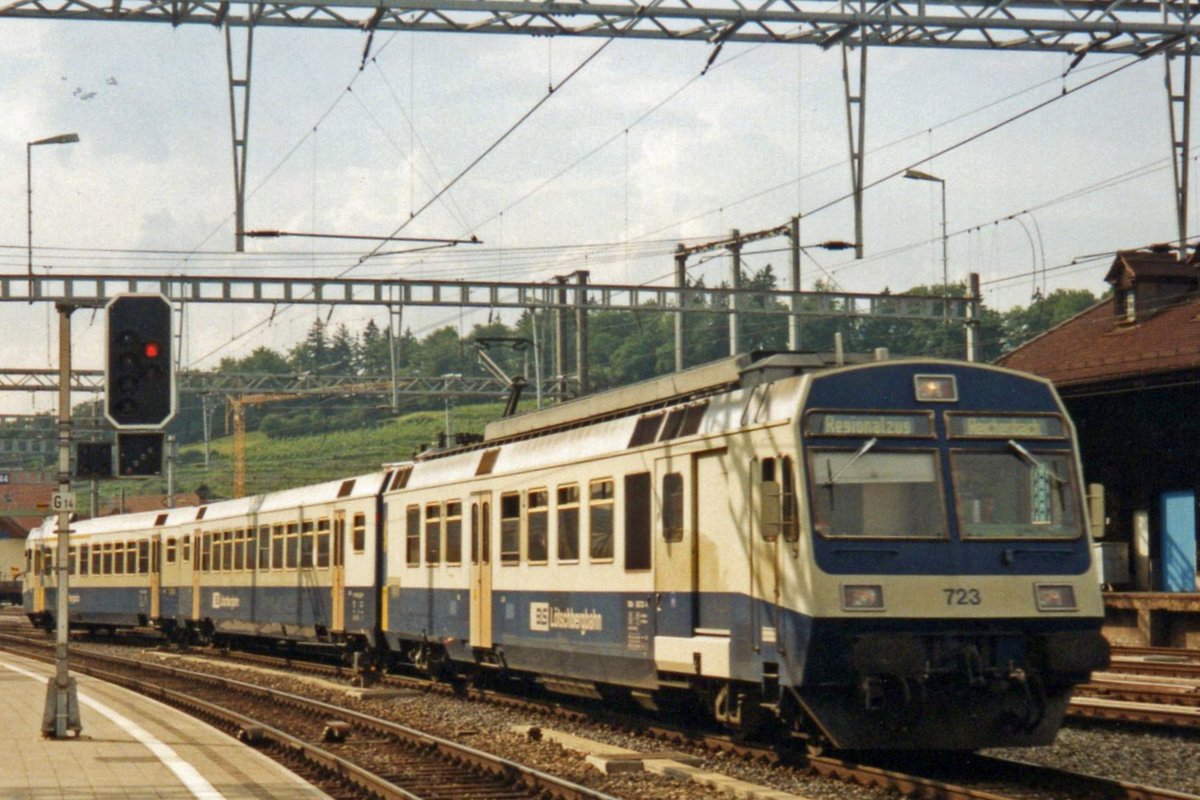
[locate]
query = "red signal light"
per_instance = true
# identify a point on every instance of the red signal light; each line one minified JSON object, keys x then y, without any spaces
{"x":151,"y":349}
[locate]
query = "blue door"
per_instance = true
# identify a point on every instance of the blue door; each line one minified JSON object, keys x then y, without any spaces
{"x":1179,"y":541}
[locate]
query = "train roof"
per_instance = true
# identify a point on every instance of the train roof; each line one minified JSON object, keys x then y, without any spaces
{"x":358,"y":486}
{"x":741,"y":371}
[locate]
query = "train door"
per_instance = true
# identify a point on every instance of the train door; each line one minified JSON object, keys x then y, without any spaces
{"x":716,"y":526}
{"x":337,"y":584}
{"x":197,"y":563}
{"x":675,"y":547}
{"x":481,"y":570}
{"x":763,"y":545}
{"x":35,"y":578}
{"x":155,"y":576}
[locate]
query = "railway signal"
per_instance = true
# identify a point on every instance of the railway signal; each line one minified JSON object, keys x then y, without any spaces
{"x":139,"y":454}
{"x":139,"y":376}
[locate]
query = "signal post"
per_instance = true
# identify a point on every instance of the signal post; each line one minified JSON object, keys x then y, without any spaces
{"x":139,"y":401}
{"x":62,"y":701}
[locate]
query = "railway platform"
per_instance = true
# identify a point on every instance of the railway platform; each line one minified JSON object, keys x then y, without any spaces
{"x":130,"y":748}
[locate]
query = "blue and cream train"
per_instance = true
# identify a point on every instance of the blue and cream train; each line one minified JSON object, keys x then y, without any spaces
{"x":880,"y":555}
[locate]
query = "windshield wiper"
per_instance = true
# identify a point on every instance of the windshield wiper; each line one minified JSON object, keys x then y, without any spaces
{"x":862,"y":451}
{"x":1034,"y":461}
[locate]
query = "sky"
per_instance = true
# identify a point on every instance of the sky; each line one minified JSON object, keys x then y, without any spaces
{"x":636,"y":152}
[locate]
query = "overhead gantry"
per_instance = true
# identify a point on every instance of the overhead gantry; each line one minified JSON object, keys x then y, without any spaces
{"x":1076,"y":27}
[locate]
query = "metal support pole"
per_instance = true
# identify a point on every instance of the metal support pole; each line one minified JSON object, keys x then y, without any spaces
{"x":29,"y":214}
{"x":856,"y":125}
{"x":945,"y":259}
{"x":206,"y":405}
{"x":735,"y":322}
{"x":170,"y":444}
{"x":560,"y":341}
{"x":973,"y":319}
{"x":62,"y":702}
{"x":395,"y":331}
{"x":1180,"y":110}
{"x":240,"y":127}
{"x":681,"y":314}
{"x":795,"y":334}
{"x":581,"y":333}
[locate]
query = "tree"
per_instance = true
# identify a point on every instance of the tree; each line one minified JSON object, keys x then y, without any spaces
{"x":311,"y":355}
{"x":261,"y":361}
{"x":1023,"y":323}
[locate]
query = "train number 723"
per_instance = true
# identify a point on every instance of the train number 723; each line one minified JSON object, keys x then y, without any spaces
{"x":962,"y":597}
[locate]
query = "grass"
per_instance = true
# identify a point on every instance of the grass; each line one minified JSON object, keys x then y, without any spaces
{"x":273,"y":464}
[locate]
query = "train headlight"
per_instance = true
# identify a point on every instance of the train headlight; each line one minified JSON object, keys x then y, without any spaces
{"x":1054,"y":596}
{"x":862,"y":598}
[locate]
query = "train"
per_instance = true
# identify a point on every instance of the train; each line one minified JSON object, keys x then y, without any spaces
{"x":867,"y":554}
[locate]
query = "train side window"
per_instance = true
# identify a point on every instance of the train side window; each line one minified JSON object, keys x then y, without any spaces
{"x":143,"y":556}
{"x":637,"y":521}
{"x":359,"y":532}
{"x":485,"y":532}
{"x":292,"y":545}
{"x":307,"y":534}
{"x":277,"y":547}
{"x":339,"y":540}
{"x":568,"y":522}
{"x":672,"y":425}
{"x":97,"y":560}
{"x":510,"y":528}
{"x":454,"y":532}
{"x":205,"y":552}
{"x":85,"y":561}
{"x":218,"y":551}
{"x":433,"y":534}
{"x":264,"y":548}
{"x":119,"y":558}
{"x":537,"y":529}
{"x":187,"y":549}
{"x":239,"y":549}
{"x":791,"y":511}
{"x":474,"y":533}
{"x":251,"y":549}
{"x":645,"y":430}
{"x":412,"y":535}
{"x":171,"y":551}
{"x":770,"y":508}
{"x":70,"y":560}
{"x":226,"y":550}
{"x":323,"y":543}
{"x":672,"y":507}
{"x":601,"y":498}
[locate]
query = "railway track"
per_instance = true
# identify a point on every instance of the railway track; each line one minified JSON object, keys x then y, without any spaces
{"x":972,"y":778}
{"x":348,"y":754}
{"x":1145,"y":685}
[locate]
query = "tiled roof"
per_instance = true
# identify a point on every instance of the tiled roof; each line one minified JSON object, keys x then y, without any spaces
{"x":1094,"y":346}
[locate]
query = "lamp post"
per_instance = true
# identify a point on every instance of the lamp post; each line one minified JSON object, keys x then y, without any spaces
{"x":917,"y":175}
{"x":62,"y":138}
{"x":62,"y":703}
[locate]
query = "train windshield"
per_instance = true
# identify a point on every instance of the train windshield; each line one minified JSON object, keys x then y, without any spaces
{"x":1015,"y":493}
{"x":867,"y":492}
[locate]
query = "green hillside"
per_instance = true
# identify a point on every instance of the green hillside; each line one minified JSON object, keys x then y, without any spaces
{"x":285,"y":463}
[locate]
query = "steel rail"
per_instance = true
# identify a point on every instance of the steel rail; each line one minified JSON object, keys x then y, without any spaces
{"x":254,"y":730}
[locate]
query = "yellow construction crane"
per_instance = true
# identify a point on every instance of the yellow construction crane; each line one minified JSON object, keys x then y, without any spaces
{"x":237,"y":409}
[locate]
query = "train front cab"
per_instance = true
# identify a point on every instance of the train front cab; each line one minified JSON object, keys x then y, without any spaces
{"x":954,"y":603}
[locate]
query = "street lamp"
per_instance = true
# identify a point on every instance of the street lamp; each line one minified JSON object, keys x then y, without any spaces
{"x":917,"y":175}
{"x":62,"y":138}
